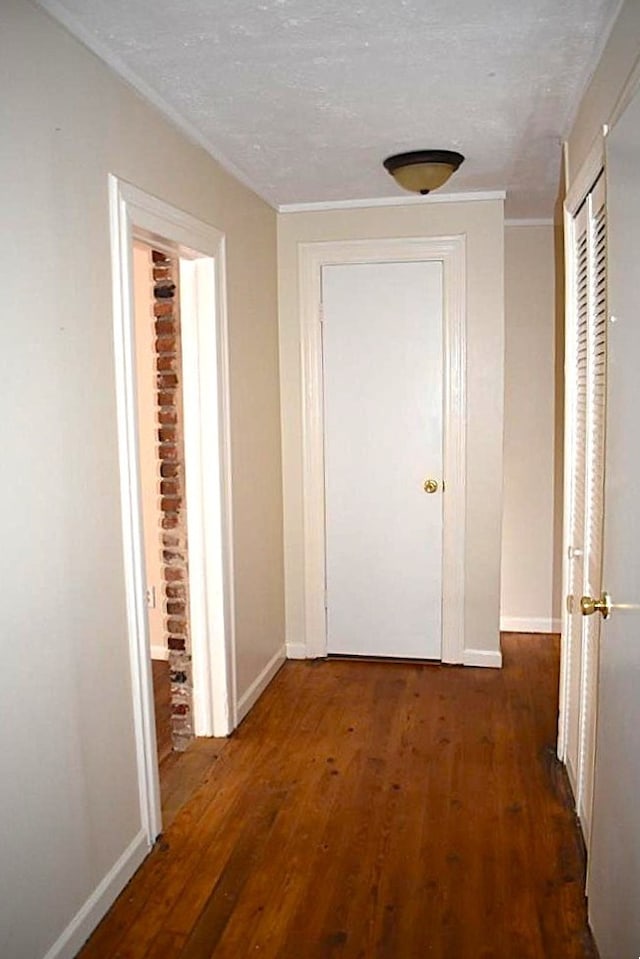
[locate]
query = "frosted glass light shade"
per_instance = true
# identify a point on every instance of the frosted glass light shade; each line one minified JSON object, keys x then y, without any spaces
{"x":423,"y":170}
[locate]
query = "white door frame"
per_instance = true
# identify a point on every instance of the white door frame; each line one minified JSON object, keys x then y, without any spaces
{"x":451,"y":252}
{"x":205,"y":388}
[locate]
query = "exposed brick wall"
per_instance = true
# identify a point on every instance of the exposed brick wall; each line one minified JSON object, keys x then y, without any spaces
{"x":173,"y":507}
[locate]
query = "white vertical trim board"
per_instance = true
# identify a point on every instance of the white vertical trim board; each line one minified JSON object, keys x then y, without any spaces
{"x":450,"y":250}
{"x":99,"y":902}
{"x":200,"y":248}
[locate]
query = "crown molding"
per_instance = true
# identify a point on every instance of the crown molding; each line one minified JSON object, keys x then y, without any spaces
{"x":392,"y":201}
{"x":530,"y":221}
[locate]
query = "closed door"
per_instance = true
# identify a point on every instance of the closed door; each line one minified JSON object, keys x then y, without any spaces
{"x":614,"y":867}
{"x":587,"y":361}
{"x":382,"y":355}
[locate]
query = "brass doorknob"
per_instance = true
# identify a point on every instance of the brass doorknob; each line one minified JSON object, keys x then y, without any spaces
{"x":589,"y":605}
{"x":430,"y":486}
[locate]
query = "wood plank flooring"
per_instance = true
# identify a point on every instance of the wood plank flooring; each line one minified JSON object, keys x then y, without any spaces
{"x":181,"y":773}
{"x":373,"y":811}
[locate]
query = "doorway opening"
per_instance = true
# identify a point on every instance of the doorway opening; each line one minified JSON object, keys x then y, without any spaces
{"x":190,"y":597}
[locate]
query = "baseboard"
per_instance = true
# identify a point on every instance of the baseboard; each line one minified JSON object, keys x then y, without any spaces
{"x":258,"y":686}
{"x":296,"y":651}
{"x":159,"y":652}
{"x":524,"y":624}
{"x":100,"y":901}
{"x":491,"y":658}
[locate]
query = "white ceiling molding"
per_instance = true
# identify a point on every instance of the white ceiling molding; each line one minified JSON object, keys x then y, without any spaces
{"x":531,"y":221}
{"x":393,"y":201}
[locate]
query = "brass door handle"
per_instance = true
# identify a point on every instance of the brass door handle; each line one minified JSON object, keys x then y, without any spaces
{"x":589,"y":605}
{"x":430,"y":486}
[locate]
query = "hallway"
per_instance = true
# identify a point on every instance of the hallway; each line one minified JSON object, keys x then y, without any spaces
{"x":367,"y":810}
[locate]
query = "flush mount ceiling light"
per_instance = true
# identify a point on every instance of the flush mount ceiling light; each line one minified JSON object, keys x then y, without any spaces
{"x":423,"y":170}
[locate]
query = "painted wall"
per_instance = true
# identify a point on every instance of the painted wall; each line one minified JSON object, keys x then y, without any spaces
{"x":147,"y":430}
{"x":618,"y":59}
{"x":483,"y":225}
{"x":531,"y":532}
{"x":69,"y":795}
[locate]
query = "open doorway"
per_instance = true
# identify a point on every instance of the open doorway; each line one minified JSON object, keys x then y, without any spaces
{"x":168,"y":269}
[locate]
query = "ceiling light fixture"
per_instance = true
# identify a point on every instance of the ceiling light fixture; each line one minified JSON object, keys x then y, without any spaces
{"x":423,"y":170}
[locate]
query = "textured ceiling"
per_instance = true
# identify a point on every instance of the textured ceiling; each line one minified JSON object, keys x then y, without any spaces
{"x":304,"y":98}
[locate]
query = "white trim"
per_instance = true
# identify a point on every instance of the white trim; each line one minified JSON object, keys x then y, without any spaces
{"x":135,"y":214}
{"x":485,"y":658}
{"x":89,"y":915}
{"x":627,"y":94}
{"x":529,"y":624}
{"x":159,"y":652}
{"x":258,"y":686}
{"x":585,"y":177}
{"x":530,"y":221}
{"x":312,"y":257}
{"x":296,"y":651}
{"x":319,"y":205}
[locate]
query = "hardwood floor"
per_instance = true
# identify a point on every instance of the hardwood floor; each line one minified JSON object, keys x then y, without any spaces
{"x":181,"y":773}
{"x":373,"y":811}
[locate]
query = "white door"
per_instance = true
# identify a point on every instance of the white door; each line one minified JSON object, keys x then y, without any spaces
{"x":586,"y":394}
{"x":614,"y":869}
{"x":383,"y":359}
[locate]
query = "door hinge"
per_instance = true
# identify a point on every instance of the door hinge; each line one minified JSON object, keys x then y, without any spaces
{"x":150,"y":597}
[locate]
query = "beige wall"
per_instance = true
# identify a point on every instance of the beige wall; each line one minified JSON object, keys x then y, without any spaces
{"x":482,"y":223}
{"x":618,"y":59}
{"x":147,"y":428}
{"x":69,"y":795}
{"x":531,"y":542}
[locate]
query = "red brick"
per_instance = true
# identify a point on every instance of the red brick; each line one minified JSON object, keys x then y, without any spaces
{"x":162,"y":272}
{"x":167,"y":417}
{"x":167,"y":363}
{"x":177,"y":625}
{"x":165,"y":344}
{"x":175,"y":591}
{"x":167,"y":434}
{"x":179,"y":709}
{"x":174,"y":574}
{"x":167,"y":381}
{"x":157,"y":256}
{"x":169,"y":488}
{"x":168,"y":452}
{"x":165,"y":308}
{"x":176,"y":642}
{"x":166,"y":398}
{"x":176,"y":609}
{"x":169,"y":470}
{"x":173,"y":557}
{"x":165,"y":327}
{"x":170,"y":504}
{"x":171,"y":521}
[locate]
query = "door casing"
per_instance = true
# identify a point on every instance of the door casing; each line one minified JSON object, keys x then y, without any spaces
{"x":451,"y":252}
{"x":201,"y":251}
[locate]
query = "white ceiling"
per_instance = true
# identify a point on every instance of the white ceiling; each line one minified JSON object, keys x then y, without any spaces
{"x":303,"y":99}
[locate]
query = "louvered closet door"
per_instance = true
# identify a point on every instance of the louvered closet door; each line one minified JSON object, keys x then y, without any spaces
{"x":588,"y":363}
